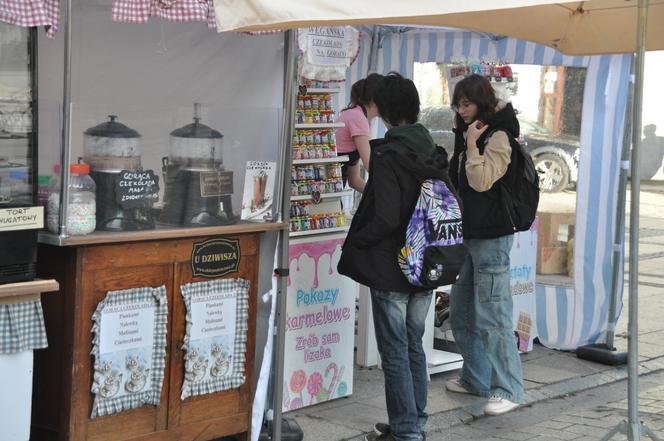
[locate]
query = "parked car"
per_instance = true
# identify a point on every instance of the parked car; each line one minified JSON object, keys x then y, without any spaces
{"x":556,"y":158}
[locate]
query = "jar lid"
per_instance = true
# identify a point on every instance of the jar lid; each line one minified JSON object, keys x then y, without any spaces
{"x":81,"y":169}
{"x":112,"y":129}
{"x":43,"y":179}
{"x":196,"y":130}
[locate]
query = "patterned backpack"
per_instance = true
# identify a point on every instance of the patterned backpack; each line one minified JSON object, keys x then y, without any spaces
{"x":434,"y":252}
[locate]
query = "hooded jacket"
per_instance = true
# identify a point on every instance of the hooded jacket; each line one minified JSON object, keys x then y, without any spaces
{"x":399,"y":163}
{"x":486,"y":215}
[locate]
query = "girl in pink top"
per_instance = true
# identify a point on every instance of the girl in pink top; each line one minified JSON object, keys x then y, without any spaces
{"x":353,"y":138}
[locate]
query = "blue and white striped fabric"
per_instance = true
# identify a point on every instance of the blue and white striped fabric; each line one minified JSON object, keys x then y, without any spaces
{"x":577,"y":316}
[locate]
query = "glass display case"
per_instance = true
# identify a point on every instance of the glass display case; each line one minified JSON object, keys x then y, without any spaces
{"x":19,"y":218}
{"x":165,"y":115}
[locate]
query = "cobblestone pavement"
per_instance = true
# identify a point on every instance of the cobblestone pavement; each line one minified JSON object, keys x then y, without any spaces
{"x":584,"y":416}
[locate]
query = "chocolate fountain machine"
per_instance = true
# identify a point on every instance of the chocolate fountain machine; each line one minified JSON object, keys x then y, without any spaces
{"x":198,"y":189}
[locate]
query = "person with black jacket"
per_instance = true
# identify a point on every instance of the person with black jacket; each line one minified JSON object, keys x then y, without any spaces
{"x":399,"y":163}
{"x":481,"y":299}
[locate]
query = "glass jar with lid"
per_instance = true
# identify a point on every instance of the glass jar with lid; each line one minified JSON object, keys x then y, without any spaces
{"x":81,"y":208}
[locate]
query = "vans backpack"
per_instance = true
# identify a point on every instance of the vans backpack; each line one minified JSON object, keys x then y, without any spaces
{"x":433,"y":252}
{"x":523,"y":196}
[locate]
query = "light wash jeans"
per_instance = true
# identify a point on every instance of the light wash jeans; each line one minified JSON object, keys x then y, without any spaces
{"x":481,"y":320}
{"x":399,"y":324}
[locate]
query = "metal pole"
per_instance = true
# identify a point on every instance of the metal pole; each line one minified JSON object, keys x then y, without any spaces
{"x":66,"y":123}
{"x":619,"y":236}
{"x":290,"y":87}
{"x":375,"y":45}
{"x":634,"y":431}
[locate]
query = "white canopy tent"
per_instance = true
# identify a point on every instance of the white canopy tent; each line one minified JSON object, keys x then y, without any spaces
{"x":574,"y":28}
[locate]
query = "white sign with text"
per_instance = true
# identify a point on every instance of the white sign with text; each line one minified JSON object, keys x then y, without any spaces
{"x":213,"y":315}
{"x":125,"y":327}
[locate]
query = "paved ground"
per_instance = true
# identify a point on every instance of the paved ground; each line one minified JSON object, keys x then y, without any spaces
{"x":568,"y":398}
{"x":583,"y":416}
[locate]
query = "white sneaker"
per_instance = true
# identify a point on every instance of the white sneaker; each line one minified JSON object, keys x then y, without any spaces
{"x":499,"y":406}
{"x":454,"y":385}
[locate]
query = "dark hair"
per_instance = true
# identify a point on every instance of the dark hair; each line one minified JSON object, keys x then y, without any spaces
{"x":362,"y":92}
{"x":397,"y":100}
{"x":478,"y":90}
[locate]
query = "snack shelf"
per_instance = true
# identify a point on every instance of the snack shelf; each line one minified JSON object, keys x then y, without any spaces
{"x":306,"y":197}
{"x":319,"y":126}
{"x":320,"y":231}
{"x":322,"y":91}
{"x":342,"y":158}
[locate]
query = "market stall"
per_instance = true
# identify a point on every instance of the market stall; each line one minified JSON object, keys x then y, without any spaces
{"x":154,"y":328}
{"x":574,"y":312}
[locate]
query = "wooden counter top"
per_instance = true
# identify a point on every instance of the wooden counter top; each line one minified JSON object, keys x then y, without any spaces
{"x":101,"y":237}
{"x":28,"y":288}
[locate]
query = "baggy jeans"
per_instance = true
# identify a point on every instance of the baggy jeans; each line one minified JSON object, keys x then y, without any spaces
{"x":481,"y":321}
{"x":399,"y":324}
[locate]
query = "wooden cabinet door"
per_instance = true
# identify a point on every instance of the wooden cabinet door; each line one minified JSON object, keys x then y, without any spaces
{"x":222,"y":413}
{"x":110,"y":269}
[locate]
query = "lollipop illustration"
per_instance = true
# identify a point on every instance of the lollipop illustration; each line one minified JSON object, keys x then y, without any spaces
{"x":314,"y":385}
{"x":298,"y":381}
{"x":342,"y":388}
{"x":325,"y":393}
{"x":295,"y":403}
{"x":338,"y":379}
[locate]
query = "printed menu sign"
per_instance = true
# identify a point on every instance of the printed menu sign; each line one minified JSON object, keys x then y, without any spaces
{"x":215,"y":344}
{"x":129,"y":347}
{"x":213,"y":315}
{"x":125,"y":327}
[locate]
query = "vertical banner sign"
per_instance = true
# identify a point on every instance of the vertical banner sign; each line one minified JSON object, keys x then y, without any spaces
{"x":216,"y":337}
{"x":320,"y":325}
{"x":522,"y":283}
{"x":129,"y":347}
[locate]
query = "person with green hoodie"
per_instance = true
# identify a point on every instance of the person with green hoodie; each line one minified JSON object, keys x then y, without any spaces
{"x":399,"y":163}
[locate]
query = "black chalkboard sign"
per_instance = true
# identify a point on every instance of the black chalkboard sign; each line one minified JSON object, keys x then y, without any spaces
{"x":136,"y":188}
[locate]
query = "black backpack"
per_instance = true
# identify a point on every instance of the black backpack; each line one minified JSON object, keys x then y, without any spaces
{"x":522,"y":196}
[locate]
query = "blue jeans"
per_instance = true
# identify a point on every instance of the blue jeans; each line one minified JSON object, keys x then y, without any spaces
{"x":399,"y":324}
{"x":481,"y":321}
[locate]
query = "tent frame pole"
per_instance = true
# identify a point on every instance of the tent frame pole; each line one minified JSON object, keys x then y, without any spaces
{"x":633,"y":427}
{"x":290,"y":87}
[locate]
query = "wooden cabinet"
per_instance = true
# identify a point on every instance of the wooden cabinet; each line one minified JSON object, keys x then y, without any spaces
{"x":62,"y":400}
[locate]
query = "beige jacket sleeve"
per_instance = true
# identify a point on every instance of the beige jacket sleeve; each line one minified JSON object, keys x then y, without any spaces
{"x":484,"y":170}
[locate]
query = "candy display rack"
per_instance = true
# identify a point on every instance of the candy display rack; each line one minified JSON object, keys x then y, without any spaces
{"x":316,"y":182}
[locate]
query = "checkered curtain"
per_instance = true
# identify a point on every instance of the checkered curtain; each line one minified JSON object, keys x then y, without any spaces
{"x":181,"y":11}
{"x":107,"y":406}
{"x":30,"y":13}
{"x":22,"y":327}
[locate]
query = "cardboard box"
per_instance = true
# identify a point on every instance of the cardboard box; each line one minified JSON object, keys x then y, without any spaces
{"x":555,"y":229}
{"x":552,"y":260}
